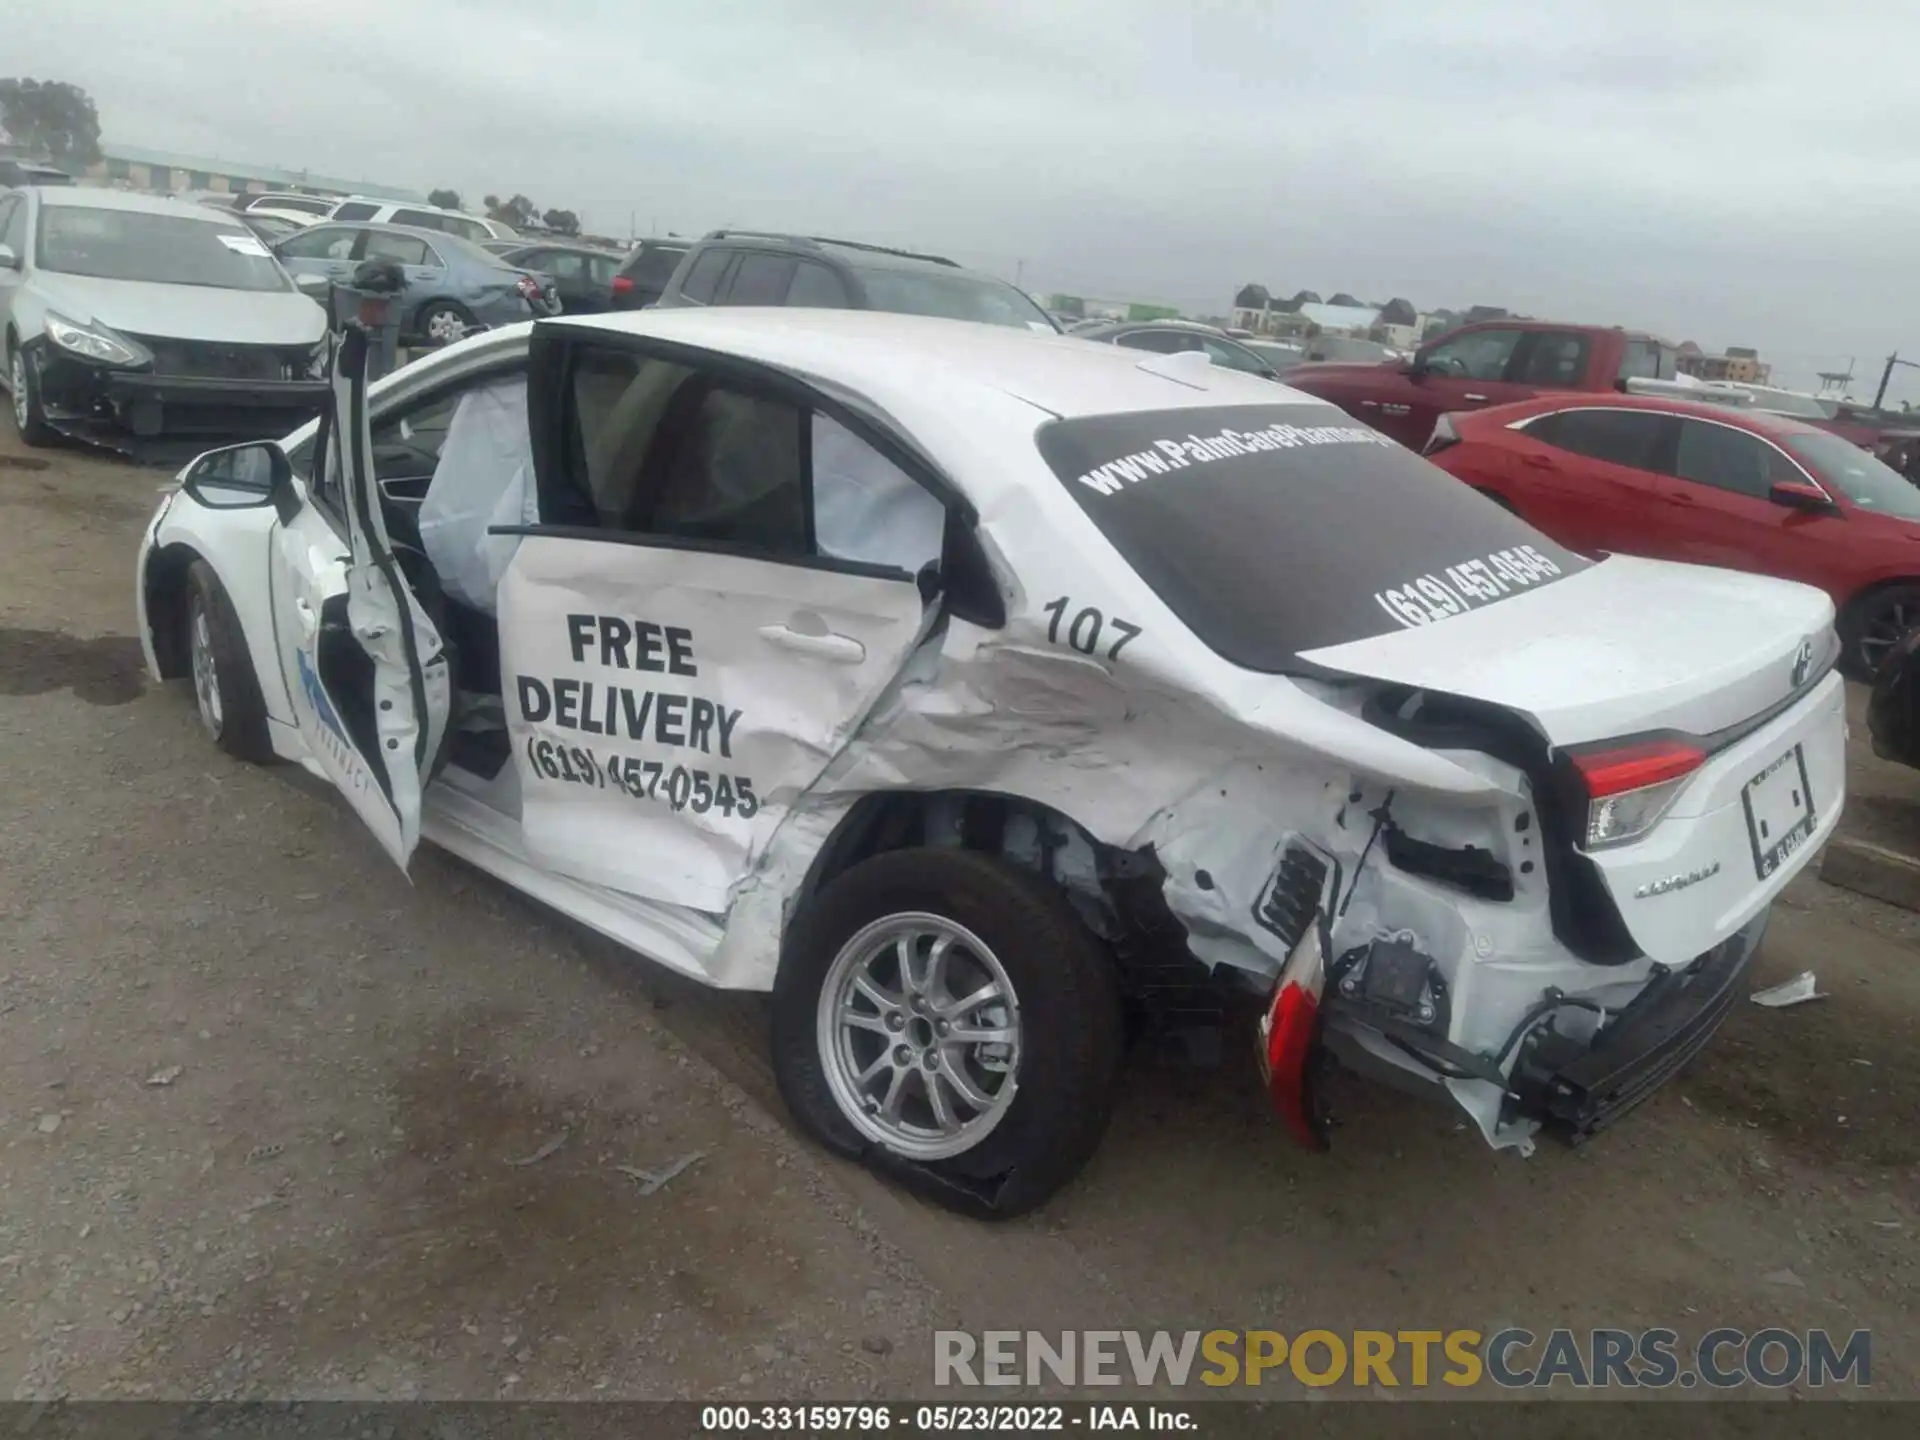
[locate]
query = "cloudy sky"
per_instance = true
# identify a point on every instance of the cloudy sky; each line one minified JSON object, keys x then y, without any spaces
{"x":1726,"y":171}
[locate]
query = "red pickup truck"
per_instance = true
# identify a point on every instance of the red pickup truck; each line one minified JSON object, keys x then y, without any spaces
{"x":1490,"y":362}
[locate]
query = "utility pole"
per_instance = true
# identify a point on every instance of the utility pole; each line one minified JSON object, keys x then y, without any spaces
{"x":1887,"y":374}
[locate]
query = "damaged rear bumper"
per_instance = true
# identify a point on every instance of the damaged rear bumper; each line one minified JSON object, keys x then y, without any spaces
{"x":1576,"y":1088}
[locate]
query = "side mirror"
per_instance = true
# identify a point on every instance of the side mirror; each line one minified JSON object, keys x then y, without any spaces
{"x":8,"y":260}
{"x":238,"y":477}
{"x":1798,"y":496}
{"x":314,"y":287}
{"x":1416,"y":369}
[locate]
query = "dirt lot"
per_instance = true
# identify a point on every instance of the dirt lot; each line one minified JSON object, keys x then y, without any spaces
{"x":276,"y":1121}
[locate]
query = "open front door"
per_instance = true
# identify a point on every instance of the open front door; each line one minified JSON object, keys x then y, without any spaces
{"x":364,"y":665}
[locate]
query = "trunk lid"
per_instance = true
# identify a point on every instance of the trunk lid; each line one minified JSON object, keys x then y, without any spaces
{"x":1629,"y":647}
{"x":1621,"y":648}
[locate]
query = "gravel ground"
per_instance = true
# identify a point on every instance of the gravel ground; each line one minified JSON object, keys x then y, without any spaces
{"x":276,"y":1121}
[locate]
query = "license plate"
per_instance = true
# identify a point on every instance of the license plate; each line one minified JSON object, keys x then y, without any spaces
{"x":1779,"y":806}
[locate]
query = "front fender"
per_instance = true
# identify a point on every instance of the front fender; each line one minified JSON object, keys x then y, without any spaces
{"x":238,"y":546}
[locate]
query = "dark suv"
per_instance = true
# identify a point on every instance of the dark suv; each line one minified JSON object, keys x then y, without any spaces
{"x":644,"y":274}
{"x":749,"y":267}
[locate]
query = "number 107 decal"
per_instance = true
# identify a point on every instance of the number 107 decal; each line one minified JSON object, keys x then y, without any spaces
{"x":1087,"y":629}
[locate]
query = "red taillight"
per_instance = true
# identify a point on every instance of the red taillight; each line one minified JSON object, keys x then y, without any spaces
{"x":528,"y":286}
{"x":1290,"y":1034}
{"x":1634,"y":767}
{"x":623,"y":285}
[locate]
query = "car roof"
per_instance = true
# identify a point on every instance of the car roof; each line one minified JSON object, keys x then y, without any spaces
{"x":1127,"y":327}
{"x":900,"y":361}
{"x":850,"y":252}
{"x":82,"y":197}
{"x":1764,"y":422}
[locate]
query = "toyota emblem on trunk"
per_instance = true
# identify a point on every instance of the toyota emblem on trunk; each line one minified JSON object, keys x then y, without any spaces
{"x":1803,"y":662}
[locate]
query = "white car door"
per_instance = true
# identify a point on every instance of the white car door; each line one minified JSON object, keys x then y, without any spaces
{"x":724,"y":582}
{"x":363,"y":664}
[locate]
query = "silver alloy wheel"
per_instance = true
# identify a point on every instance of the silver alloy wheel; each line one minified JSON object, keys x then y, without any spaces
{"x":17,"y":382}
{"x":445,"y":327}
{"x":206,"y":675}
{"x":919,"y":1035}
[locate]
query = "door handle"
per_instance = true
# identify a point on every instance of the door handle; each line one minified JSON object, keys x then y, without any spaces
{"x":1541,"y":462}
{"x":1477,"y":399}
{"x":841,"y":649}
{"x":1686,"y":500}
{"x":309,"y":621}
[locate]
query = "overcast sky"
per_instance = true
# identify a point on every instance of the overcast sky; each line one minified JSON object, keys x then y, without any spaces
{"x":1725,"y":171}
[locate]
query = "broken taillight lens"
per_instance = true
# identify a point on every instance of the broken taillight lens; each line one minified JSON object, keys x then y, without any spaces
{"x":1289,"y":1033}
{"x":1630,"y":787}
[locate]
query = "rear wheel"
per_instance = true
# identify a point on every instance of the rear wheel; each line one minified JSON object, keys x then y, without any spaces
{"x":445,"y":321}
{"x":949,"y":1019}
{"x":225,"y":688}
{"x":1874,"y":624}
{"x":23,"y":383}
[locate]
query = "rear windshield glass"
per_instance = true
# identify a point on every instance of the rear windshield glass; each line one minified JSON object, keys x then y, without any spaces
{"x":1276,"y":530}
{"x":652,"y":264}
{"x":160,"y":249}
{"x":953,"y":297}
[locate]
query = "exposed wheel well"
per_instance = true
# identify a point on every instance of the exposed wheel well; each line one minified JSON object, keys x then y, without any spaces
{"x":167,"y":588}
{"x":1116,"y":892}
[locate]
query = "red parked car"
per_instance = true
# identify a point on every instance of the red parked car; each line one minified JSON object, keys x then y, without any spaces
{"x":1644,"y":475}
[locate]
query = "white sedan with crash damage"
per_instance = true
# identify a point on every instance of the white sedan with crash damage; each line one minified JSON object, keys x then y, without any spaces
{"x":971,"y":690}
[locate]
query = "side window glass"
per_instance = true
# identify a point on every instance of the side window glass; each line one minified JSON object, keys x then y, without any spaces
{"x":816,"y":286}
{"x":1726,"y":459}
{"x":1556,"y":360}
{"x":1620,"y":437}
{"x":760,"y":280}
{"x":407,"y":249}
{"x":355,"y":210}
{"x":705,"y":275}
{"x":1640,"y":360}
{"x":1231,"y":356}
{"x":13,"y":225}
{"x":867,"y":508}
{"x":1160,"y":342}
{"x":603,"y":268}
{"x":322,"y":244}
{"x":425,"y":220}
{"x":1477,"y":355}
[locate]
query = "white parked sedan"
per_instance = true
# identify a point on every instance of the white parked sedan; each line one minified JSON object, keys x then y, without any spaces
{"x":961,"y":686}
{"x":126,"y":319}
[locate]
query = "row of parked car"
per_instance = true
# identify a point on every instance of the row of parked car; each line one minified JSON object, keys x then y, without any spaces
{"x":129,"y":317}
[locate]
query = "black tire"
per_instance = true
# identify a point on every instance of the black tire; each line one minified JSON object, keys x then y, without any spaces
{"x":28,"y":416}
{"x":439,"y":309}
{"x":1069,"y":1014}
{"x":1873,"y":625}
{"x":240,"y":725}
